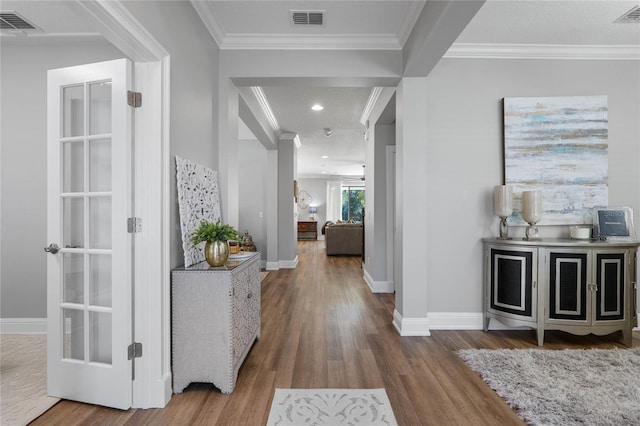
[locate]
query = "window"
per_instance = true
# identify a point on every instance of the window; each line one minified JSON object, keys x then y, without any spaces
{"x":352,"y":203}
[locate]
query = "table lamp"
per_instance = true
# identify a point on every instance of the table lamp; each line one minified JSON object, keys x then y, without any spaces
{"x":532,"y":212}
{"x":503,"y":207}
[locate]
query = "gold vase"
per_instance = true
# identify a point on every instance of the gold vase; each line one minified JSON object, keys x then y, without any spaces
{"x":216,"y":252}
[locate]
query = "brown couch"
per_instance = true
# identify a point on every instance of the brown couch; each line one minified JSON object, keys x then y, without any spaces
{"x":343,"y":238}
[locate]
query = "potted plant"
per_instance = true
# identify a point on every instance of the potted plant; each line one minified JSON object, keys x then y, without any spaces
{"x":216,"y":237}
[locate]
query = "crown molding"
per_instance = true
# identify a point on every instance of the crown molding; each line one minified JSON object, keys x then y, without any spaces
{"x":543,"y":51}
{"x":413,"y":15}
{"x":208,"y":17}
{"x":266,"y":108}
{"x":50,"y":38}
{"x":371,"y":102}
{"x":310,"y":42}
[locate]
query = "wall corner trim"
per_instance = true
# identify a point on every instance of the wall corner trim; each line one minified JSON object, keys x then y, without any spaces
{"x":411,"y":326}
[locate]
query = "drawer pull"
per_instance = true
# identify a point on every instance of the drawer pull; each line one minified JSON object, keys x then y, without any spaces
{"x":249,"y":296}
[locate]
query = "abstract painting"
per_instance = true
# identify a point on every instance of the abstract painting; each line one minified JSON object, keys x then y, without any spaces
{"x":558,"y":145}
{"x":198,"y":200}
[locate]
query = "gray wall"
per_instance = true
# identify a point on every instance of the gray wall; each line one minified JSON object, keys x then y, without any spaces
{"x":252,"y":193}
{"x":317,"y":188}
{"x":23,"y":157}
{"x":287,"y":248}
{"x":193,"y":95}
{"x":465,"y":157}
{"x":382,"y":135}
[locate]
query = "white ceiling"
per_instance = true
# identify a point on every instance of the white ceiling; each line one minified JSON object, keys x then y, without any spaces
{"x":355,"y":24}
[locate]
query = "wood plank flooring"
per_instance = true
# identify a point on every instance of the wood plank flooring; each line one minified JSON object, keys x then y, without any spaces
{"x":323,"y":328}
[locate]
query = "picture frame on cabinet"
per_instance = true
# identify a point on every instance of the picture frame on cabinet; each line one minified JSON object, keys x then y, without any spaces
{"x":613,"y":223}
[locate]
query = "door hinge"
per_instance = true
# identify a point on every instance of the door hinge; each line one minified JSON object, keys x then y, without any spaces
{"x":134,"y":99}
{"x":134,"y":225}
{"x":134,"y":350}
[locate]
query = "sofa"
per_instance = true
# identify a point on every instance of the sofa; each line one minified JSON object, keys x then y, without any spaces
{"x":343,"y":238}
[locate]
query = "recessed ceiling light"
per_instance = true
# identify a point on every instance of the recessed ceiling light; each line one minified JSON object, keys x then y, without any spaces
{"x":324,"y":173}
{"x":317,"y":107}
{"x":325,"y":156}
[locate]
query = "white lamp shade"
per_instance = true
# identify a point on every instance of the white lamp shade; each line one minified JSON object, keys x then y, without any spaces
{"x":532,"y":206}
{"x":503,"y":200}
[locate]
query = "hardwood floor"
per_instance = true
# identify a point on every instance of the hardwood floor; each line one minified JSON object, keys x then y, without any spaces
{"x":323,"y":328}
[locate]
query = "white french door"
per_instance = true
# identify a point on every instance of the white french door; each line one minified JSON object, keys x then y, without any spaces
{"x":89,"y":262}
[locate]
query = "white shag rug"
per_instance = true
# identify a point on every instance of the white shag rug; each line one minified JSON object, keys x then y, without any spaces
{"x":564,"y":387}
{"x":330,"y":407}
{"x":23,"y":378}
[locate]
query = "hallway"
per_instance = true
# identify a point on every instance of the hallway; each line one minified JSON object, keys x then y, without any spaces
{"x":323,"y":328}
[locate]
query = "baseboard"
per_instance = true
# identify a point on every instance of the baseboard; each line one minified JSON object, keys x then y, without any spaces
{"x":472,"y":321}
{"x":464,"y":321}
{"x":23,"y":325}
{"x":455,"y":320}
{"x":272,"y":266}
{"x":288,"y":264}
{"x":411,"y":326}
{"x":378,"y":286}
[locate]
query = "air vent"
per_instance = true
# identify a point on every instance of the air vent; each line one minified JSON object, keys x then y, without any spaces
{"x":631,"y":17}
{"x":13,"y":21}
{"x":308,"y":17}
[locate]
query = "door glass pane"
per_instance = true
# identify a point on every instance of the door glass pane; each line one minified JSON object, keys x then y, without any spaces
{"x":73,"y":222}
{"x":100,"y":222}
{"x":100,"y":108}
{"x":73,"y":111}
{"x":100,"y":341}
{"x":73,"y":334}
{"x":73,"y":276}
{"x":100,"y":165}
{"x":100,"y":279}
{"x":73,"y":166}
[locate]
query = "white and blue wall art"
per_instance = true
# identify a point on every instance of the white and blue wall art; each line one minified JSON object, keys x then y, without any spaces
{"x":558,"y":145}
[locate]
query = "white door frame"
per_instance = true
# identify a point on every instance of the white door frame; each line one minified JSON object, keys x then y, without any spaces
{"x":152,"y":384}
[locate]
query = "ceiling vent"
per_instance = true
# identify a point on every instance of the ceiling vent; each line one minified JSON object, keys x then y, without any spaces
{"x":308,"y":17}
{"x":631,"y":17}
{"x":13,"y":21}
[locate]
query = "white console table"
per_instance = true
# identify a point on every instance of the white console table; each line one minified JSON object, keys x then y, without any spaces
{"x":215,"y":316}
{"x":580,"y":287}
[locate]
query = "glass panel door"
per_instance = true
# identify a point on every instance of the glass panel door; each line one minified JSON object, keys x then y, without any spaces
{"x":89,"y":199}
{"x":86,"y":221}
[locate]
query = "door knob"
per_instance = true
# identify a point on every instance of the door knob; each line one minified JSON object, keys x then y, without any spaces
{"x":52,"y":248}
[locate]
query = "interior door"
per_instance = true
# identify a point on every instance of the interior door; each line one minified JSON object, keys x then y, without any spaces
{"x":89,"y":262}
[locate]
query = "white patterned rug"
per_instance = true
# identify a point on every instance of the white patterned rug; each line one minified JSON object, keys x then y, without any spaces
{"x":23,"y":378}
{"x":330,"y":407}
{"x":564,"y":387}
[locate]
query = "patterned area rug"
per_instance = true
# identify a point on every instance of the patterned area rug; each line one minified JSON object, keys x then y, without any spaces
{"x":23,"y":378}
{"x":565,"y":387}
{"x":331,"y":407}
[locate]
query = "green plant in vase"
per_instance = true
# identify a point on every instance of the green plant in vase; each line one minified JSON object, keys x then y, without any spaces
{"x":216,"y":237}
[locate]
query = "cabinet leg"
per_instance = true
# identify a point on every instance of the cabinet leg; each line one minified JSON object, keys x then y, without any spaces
{"x":627,"y":337}
{"x":485,"y":325}
{"x":540,"y":333}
